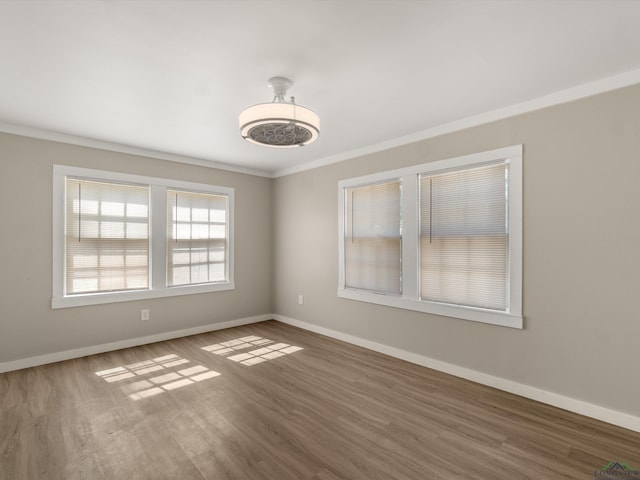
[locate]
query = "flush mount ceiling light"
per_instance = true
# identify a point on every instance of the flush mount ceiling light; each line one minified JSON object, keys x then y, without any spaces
{"x":281,"y":123}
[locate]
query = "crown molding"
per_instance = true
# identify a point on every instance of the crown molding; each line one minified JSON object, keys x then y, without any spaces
{"x":563,"y":96}
{"x":43,"y":134}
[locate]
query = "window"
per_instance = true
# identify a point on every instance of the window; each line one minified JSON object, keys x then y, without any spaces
{"x":464,"y":237}
{"x":373,"y":246}
{"x":107,"y":237}
{"x":443,"y":237}
{"x":196,"y":250}
{"x":124,"y":237}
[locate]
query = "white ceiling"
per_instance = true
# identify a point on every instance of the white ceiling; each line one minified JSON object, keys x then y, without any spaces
{"x":172,"y":76}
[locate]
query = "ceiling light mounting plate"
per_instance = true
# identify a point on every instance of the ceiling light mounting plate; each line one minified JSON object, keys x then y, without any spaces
{"x":280,"y":85}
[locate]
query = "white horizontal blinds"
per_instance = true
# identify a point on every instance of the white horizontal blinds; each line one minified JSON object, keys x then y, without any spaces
{"x":464,"y":239}
{"x":197,"y":237}
{"x":373,"y":238}
{"x":107,"y":236}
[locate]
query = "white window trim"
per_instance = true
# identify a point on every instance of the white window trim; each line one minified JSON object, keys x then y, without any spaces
{"x":410,"y":298}
{"x":158,"y":233}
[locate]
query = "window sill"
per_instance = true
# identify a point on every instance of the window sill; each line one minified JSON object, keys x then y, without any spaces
{"x":100,"y":298}
{"x":492,"y":317}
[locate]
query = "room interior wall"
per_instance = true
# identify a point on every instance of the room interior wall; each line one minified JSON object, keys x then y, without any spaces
{"x":28,"y":325}
{"x":581,"y":244}
{"x":581,"y":254}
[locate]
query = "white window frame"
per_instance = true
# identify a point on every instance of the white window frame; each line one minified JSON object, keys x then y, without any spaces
{"x":158,"y":238}
{"x":410,"y":297}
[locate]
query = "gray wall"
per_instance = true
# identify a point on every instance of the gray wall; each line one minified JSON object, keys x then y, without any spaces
{"x":581,"y":254}
{"x":28,"y":325}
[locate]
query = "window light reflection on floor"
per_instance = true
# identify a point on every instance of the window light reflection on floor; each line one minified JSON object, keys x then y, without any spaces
{"x":162,"y":382}
{"x":267,"y":349}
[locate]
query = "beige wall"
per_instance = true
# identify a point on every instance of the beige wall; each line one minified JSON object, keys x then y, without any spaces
{"x":28,"y":325}
{"x":581,"y":260}
{"x":581,"y":254}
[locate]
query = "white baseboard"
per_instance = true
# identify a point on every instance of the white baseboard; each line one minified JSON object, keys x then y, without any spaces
{"x":566,"y":403}
{"x":133,"y":342}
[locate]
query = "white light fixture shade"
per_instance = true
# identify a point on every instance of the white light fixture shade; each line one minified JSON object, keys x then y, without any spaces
{"x":279,"y":124}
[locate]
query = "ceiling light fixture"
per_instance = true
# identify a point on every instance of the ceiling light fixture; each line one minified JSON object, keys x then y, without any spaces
{"x":281,"y":123}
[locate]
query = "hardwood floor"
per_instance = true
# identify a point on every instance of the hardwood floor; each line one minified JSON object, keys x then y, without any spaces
{"x":269,"y":401}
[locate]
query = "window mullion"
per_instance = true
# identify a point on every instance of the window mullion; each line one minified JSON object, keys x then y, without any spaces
{"x":158,"y":231}
{"x":410,"y":235}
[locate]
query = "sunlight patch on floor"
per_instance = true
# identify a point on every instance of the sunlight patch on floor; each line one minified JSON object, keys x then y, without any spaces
{"x":169,"y":379}
{"x":268,"y":350}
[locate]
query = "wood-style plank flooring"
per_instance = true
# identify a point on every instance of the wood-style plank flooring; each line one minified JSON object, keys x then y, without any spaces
{"x":269,"y":401}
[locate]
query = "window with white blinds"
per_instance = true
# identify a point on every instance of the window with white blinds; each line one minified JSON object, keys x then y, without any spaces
{"x":372,"y":240}
{"x":443,"y":237}
{"x":119,"y":237}
{"x":107,"y":237}
{"x":464,"y":237}
{"x":197,"y":237}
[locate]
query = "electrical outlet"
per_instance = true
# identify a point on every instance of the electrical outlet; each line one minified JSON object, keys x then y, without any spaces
{"x":144,"y":314}
{"x":300,"y":299}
